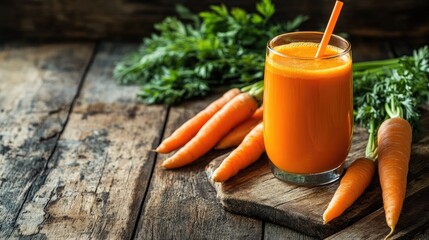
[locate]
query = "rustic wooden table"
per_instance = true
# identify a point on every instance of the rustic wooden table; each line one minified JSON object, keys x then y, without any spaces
{"x":76,"y":157}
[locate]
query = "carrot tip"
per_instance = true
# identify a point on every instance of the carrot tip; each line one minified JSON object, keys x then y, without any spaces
{"x":161,"y":150}
{"x":218,"y":180}
{"x":392,"y":229}
{"x":165,"y":165}
{"x":216,"y":177}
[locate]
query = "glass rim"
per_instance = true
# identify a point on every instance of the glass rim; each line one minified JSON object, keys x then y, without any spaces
{"x":342,"y":53}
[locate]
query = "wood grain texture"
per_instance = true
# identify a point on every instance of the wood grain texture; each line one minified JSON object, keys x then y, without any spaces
{"x":366,"y":49}
{"x":369,"y":49}
{"x":181,"y":204}
{"x":403,"y":46}
{"x":95,"y":182}
{"x":422,"y":235}
{"x":363,"y":49}
{"x":255,"y":192}
{"x":414,"y":221}
{"x":135,"y":18}
{"x":274,"y":232}
{"x":38,"y":85}
{"x":90,"y":178}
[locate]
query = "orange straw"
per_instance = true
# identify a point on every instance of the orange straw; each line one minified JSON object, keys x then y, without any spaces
{"x":329,"y":29}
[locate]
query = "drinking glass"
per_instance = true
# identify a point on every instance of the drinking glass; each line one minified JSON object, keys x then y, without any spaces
{"x":308,"y":107}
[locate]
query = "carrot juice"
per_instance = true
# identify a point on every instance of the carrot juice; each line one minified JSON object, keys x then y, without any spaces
{"x":308,"y":107}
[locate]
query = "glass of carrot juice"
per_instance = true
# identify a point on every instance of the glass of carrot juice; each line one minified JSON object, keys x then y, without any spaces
{"x":308,"y":107}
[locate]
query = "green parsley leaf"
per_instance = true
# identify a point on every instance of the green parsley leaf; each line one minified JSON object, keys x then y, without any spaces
{"x":195,"y":52}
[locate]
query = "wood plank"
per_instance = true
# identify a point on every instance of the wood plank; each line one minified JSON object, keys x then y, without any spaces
{"x":38,"y":85}
{"x":135,"y":18}
{"x":369,"y":49}
{"x":414,"y":221}
{"x":403,"y":46}
{"x":422,"y":235}
{"x":255,"y":192}
{"x":95,"y":183}
{"x":414,"y":217}
{"x":363,"y":49}
{"x":181,"y":204}
{"x":274,"y":231}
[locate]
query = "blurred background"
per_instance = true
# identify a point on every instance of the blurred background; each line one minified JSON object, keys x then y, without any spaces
{"x":133,"y":19}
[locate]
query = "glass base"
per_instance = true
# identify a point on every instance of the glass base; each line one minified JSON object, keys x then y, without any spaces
{"x":308,"y":179}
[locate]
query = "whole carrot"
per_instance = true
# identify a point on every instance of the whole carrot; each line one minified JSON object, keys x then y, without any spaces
{"x":245,"y":154}
{"x":233,"y":113}
{"x":236,"y":136}
{"x":352,"y":185}
{"x":190,"y":128}
{"x":394,"y":149}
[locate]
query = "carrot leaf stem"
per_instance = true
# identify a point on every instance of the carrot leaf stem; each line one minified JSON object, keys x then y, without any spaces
{"x":373,"y":70}
{"x":371,"y":147}
{"x":393,"y":109}
{"x":256,"y":90}
{"x":363,"y":66}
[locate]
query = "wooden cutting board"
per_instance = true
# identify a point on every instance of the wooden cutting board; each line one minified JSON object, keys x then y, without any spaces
{"x":257,"y":193}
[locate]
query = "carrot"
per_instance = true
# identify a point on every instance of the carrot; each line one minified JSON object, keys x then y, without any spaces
{"x":352,"y":185}
{"x":233,"y":113}
{"x":259,"y":113}
{"x":394,"y":149}
{"x":190,"y":128}
{"x":236,"y":136}
{"x":245,"y":154}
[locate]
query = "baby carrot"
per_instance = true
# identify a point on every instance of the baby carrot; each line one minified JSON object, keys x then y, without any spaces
{"x":233,"y":113}
{"x":352,"y":185}
{"x":394,"y":149}
{"x":190,"y":128}
{"x":236,"y":136}
{"x":245,"y":154}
